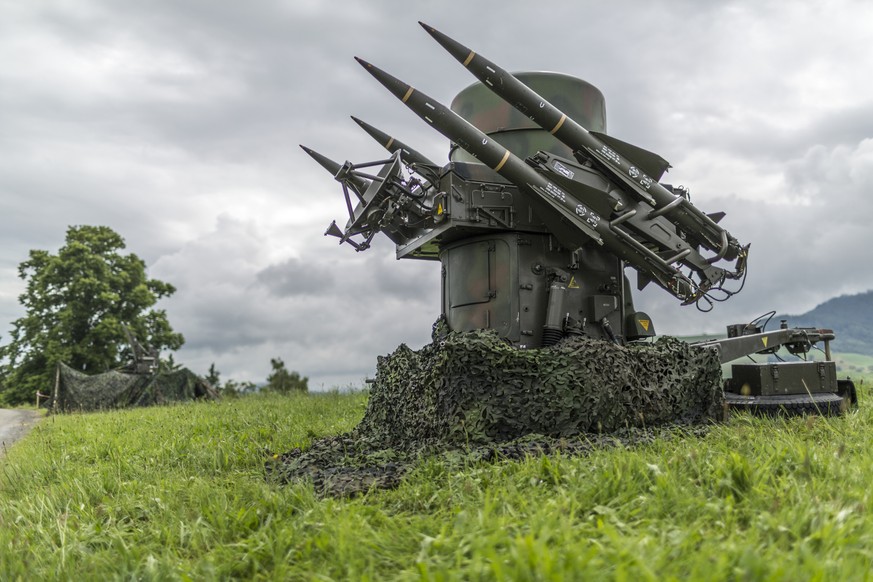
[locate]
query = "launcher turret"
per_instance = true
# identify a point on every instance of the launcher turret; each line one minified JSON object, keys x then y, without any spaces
{"x":538,"y":211}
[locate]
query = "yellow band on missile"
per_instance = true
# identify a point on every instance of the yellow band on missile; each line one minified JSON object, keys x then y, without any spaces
{"x":469,"y":58}
{"x":408,"y":94}
{"x":560,"y":123}
{"x":388,"y":145}
{"x":503,"y":161}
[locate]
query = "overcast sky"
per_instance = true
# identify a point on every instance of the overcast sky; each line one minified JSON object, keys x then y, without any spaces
{"x":176,"y":123}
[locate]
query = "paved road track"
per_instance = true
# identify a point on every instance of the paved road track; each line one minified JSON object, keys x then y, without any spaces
{"x":14,"y":424}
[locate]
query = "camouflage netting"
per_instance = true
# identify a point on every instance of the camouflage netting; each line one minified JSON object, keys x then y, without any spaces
{"x":76,"y":391}
{"x":473,"y":391}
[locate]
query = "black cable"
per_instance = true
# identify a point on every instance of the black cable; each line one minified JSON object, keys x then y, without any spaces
{"x":769,"y":315}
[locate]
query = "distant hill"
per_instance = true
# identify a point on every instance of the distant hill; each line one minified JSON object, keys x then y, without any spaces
{"x":850,"y":316}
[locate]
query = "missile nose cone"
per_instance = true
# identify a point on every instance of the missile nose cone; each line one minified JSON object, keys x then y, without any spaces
{"x":454,"y":48}
{"x":363,"y":124}
{"x":376,"y":134}
{"x":313,"y":154}
{"x":366,"y":127}
{"x":323,"y":161}
{"x":400,"y":89}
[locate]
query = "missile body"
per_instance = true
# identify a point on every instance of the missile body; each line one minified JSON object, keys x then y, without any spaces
{"x":407,"y":154}
{"x":575,"y":224}
{"x":585,"y":145}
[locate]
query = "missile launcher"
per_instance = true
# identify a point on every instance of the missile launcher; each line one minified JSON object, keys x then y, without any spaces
{"x":538,"y":214}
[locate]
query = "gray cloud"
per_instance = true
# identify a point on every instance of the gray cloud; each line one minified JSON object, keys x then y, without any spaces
{"x":326,"y":313}
{"x":293,"y":277}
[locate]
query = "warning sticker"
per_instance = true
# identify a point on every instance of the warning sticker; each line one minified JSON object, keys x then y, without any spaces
{"x":572,"y":284}
{"x":645,"y":323}
{"x":764,"y":339}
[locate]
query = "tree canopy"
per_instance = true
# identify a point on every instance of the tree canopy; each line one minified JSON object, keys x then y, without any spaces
{"x":76,"y":303}
{"x":283,"y":381}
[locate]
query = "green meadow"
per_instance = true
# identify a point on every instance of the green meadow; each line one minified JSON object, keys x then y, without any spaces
{"x":179,"y":493}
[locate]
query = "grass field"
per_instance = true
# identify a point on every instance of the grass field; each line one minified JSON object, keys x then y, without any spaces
{"x":179,"y":493}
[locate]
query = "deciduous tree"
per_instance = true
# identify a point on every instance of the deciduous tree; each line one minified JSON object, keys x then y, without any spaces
{"x":76,"y":302}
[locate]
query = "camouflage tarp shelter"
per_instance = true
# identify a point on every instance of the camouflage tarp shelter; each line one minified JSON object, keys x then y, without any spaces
{"x":75,"y":391}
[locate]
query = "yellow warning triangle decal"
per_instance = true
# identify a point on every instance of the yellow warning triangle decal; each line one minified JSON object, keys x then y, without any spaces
{"x":572,"y":284}
{"x":439,"y":209}
{"x":764,"y":339}
{"x":645,"y":323}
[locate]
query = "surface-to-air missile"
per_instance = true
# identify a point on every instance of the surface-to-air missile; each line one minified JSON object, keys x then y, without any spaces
{"x":539,"y":211}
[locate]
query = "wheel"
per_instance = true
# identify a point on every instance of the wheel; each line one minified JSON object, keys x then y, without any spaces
{"x":846,"y":389}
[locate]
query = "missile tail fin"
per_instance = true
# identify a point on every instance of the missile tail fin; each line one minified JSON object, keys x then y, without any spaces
{"x":643,"y":280}
{"x":650,"y":163}
{"x":333,"y":230}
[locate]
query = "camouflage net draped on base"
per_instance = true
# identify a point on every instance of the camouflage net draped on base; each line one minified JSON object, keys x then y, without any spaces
{"x":474,"y":391}
{"x":76,"y":391}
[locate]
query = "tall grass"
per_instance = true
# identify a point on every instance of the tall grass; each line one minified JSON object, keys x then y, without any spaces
{"x":179,"y":493}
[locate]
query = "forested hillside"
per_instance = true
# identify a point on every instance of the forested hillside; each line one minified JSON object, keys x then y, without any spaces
{"x":850,"y":316}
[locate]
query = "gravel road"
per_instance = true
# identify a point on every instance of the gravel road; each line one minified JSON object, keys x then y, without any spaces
{"x":14,"y":424}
